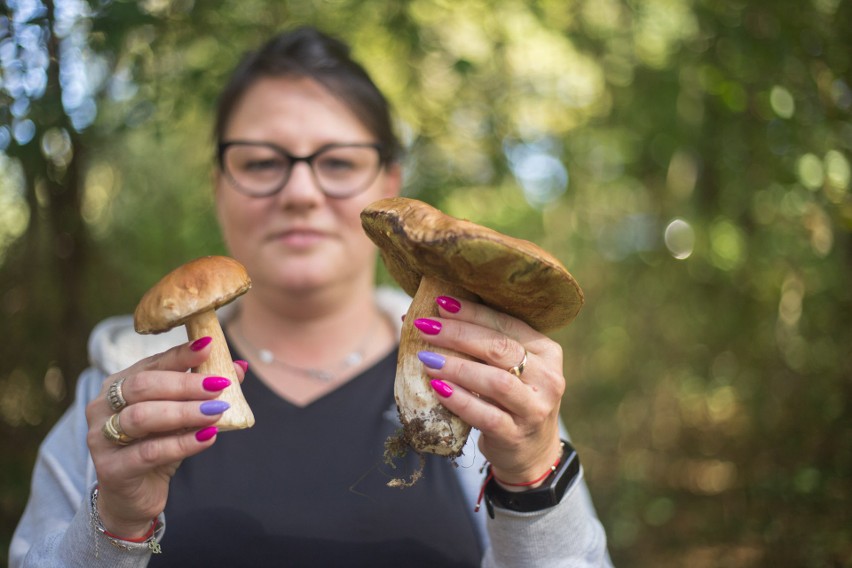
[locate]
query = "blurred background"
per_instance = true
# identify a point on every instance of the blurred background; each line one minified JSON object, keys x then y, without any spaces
{"x":688,"y":160}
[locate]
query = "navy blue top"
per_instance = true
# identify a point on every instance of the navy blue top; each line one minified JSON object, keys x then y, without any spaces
{"x":306,"y":486}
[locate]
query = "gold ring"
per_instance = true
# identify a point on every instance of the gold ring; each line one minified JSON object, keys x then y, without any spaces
{"x":112,"y":431}
{"x":518,"y":369}
{"x":115,"y":397}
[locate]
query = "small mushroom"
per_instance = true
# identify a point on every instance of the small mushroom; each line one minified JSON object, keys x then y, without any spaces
{"x":429,"y":253}
{"x":190,"y":295}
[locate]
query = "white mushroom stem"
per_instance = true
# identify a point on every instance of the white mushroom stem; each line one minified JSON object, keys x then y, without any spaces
{"x":220,"y":364}
{"x":427,"y":425}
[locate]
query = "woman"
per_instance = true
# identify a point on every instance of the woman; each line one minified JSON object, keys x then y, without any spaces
{"x":305,"y":143}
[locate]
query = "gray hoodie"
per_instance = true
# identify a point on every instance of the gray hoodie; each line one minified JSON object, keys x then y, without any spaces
{"x":56,"y":528}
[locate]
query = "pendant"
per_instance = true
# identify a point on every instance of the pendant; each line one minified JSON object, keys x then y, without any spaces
{"x":266,"y":356}
{"x":353,"y":359}
{"x":324,"y":376}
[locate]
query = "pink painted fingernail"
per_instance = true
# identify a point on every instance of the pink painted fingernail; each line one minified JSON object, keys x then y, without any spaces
{"x":442,"y":388}
{"x":243,"y":364}
{"x":448,"y":303}
{"x":428,"y":326}
{"x":215,"y":383}
{"x":206,"y":433}
{"x":200,"y":343}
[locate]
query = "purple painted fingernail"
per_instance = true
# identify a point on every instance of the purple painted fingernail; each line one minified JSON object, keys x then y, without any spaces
{"x":442,"y":388}
{"x":242,"y":364}
{"x":200,"y":343}
{"x":212,"y":407}
{"x":215,"y":383}
{"x":206,"y":433}
{"x":428,"y":326}
{"x":448,"y":303}
{"x":431,"y":360}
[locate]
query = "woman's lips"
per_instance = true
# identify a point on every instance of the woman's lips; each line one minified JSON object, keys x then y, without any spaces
{"x":300,"y":238}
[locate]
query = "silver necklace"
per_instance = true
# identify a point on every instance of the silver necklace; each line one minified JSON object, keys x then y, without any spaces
{"x":352,"y":359}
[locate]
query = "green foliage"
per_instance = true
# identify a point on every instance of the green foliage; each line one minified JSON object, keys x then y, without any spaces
{"x":688,"y":161}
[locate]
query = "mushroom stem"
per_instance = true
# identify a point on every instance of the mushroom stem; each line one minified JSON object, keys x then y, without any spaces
{"x":220,"y":364}
{"x":427,"y":425}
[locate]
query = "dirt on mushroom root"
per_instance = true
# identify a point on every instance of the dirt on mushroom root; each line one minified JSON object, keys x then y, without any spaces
{"x":398,"y":446}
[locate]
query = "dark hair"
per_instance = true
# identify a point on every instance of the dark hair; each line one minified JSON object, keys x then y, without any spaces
{"x":309,"y":53}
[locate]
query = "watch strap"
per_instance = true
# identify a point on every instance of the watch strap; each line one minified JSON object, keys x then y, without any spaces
{"x":548,"y":494}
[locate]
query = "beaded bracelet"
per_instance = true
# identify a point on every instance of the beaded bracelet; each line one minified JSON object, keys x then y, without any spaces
{"x":148,"y":540}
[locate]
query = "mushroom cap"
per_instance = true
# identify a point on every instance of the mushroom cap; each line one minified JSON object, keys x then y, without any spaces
{"x":511,"y":275}
{"x":197,"y":286}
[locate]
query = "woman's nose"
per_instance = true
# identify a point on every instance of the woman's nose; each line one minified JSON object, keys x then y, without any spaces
{"x":301,"y":187}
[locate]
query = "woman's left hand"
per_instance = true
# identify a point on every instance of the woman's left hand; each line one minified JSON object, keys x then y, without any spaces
{"x":518,"y":416}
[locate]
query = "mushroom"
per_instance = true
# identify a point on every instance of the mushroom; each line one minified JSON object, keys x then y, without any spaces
{"x":429,"y":253}
{"x":189,"y":295}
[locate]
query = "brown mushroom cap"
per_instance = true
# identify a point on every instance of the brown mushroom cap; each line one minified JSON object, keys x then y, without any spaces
{"x":199,"y":285}
{"x":511,"y":275}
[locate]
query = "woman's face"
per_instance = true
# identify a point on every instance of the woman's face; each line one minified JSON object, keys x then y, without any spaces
{"x":299,"y":239}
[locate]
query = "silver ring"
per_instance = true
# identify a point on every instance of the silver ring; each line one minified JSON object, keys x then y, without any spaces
{"x":115,"y":398}
{"x":112,"y":431}
{"x":518,"y":369}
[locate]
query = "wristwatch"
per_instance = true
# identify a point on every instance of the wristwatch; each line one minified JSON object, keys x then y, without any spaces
{"x":547,"y":495}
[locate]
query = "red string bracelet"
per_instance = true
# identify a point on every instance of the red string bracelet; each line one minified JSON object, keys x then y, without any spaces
{"x":139,"y":540}
{"x":524,"y":484}
{"x":534,"y":481}
{"x":482,"y":490}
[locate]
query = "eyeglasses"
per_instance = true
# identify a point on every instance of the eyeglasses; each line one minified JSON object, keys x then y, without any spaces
{"x":260,"y":169}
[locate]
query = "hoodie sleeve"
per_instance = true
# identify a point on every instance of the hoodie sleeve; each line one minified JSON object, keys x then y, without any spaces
{"x":56,"y":528}
{"x":568,"y":535}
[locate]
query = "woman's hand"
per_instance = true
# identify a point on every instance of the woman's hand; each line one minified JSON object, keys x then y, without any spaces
{"x":169,"y":415}
{"x":518,"y":416}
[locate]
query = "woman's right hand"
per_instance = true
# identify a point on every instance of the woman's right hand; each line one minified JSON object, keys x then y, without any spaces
{"x":169,"y":417}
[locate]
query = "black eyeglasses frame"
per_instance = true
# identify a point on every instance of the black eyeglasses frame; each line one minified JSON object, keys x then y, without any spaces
{"x":222,"y":147}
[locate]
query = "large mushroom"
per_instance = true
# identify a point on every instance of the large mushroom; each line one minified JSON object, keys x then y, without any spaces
{"x":190,"y":295}
{"x":430,"y":253}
